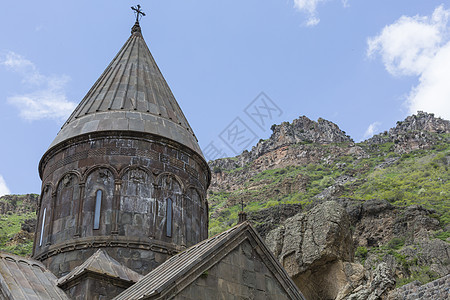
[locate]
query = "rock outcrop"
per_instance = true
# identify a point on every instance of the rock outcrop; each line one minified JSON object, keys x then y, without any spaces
{"x":377,"y":222}
{"x":277,"y":151}
{"x":268,"y":219}
{"x":29,"y":225}
{"x":415,"y":132}
{"x":377,"y":285}
{"x":301,"y":130}
{"x":314,"y":248}
{"x":18,"y":204}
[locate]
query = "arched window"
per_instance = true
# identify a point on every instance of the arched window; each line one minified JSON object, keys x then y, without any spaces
{"x":98,"y":205}
{"x":42,"y":227}
{"x":169,"y":217}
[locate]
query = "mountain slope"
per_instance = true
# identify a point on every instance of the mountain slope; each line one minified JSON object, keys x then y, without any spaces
{"x":306,"y":160}
{"x":394,"y":186}
{"x":17,"y":223}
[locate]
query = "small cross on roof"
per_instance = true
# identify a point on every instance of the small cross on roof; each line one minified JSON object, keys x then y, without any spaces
{"x":138,"y":12}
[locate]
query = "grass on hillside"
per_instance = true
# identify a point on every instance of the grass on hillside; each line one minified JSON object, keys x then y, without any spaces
{"x":9,"y":226}
{"x":416,"y":178}
{"x":419,"y":177}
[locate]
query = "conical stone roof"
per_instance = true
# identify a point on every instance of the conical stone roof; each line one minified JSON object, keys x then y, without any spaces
{"x":130,"y":95}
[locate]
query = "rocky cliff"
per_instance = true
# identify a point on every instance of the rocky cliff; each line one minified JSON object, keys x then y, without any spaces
{"x":18,"y":204}
{"x":421,"y":131}
{"x":317,"y":249}
{"x":357,"y":218}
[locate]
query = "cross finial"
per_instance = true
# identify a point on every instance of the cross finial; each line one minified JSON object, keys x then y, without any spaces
{"x":242,"y":215}
{"x":138,"y":12}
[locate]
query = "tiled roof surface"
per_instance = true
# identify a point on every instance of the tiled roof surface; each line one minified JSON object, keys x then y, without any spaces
{"x":131,"y":95}
{"x":100,"y":262}
{"x":22,"y":278}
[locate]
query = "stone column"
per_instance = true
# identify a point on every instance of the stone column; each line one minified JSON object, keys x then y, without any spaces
{"x":80,"y":210}
{"x":156,"y":197}
{"x":116,"y":206}
{"x":183,"y":217}
{"x":52,"y":217}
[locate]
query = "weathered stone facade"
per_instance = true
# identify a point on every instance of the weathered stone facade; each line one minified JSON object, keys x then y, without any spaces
{"x":137,"y":175}
{"x":235,"y":264}
{"x":94,"y":286}
{"x":240,"y":275}
{"x":99,"y":277}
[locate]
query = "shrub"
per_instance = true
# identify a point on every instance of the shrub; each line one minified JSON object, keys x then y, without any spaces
{"x":361,"y":252}
{"x":443,"y":235}
{"x":396,"y":243}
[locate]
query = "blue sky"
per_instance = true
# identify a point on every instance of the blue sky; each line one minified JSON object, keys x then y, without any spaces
{"x":361,"y":64}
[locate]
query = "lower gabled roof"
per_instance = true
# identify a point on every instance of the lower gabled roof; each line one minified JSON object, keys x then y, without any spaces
{"x":102,"y":264}
{"x":24,"y":278}
{"x":182,"y":269}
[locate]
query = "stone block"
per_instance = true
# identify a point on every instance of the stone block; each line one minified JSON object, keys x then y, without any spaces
{"x":126,"y":218}
{"x":260,"y":281}
{"x":124,"y":253}
{"x":249,"y":278}
{"x":160,"y":257}
{"x":225,"y":270}
{"x":247,"y":250}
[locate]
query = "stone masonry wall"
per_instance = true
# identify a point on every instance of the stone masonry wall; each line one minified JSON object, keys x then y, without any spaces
{"x":240,"y":275}
{"x":102,"y":289}
{"x":438,"y":289}
{"x":152,"y":198}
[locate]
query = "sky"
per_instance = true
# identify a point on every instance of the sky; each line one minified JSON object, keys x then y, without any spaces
{"x":363,"y":65}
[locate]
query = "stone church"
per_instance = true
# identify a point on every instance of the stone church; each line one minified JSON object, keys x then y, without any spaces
{"x":123,"y":211}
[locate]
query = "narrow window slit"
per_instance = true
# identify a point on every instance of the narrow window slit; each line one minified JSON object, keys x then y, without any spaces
{"x":42,"y":227}
{"x":169,"y":217}
{"x":98,"y":204}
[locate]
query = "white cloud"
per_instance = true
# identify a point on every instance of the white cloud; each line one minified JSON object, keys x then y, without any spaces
{"x":371,"y":130}
{"x":47,"y":100}
{"x":309,"y":7}
{"x":419,"y":46}
{"x":432,"y":94}
{"x":3,"y":187}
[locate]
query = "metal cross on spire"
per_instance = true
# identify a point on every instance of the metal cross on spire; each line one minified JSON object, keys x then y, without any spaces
{"x":138,"y":12}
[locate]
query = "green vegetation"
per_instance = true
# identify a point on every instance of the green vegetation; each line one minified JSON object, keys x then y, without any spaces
{"x":263,"y":191}
{"x":396,"y":243}
{"x":410,"y":268}
{"x":10,"y":225}
{"x":419,"y":177}
{"x":361,"y":253}
{"x":423,"y":275}
{"x":443,"y":235}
